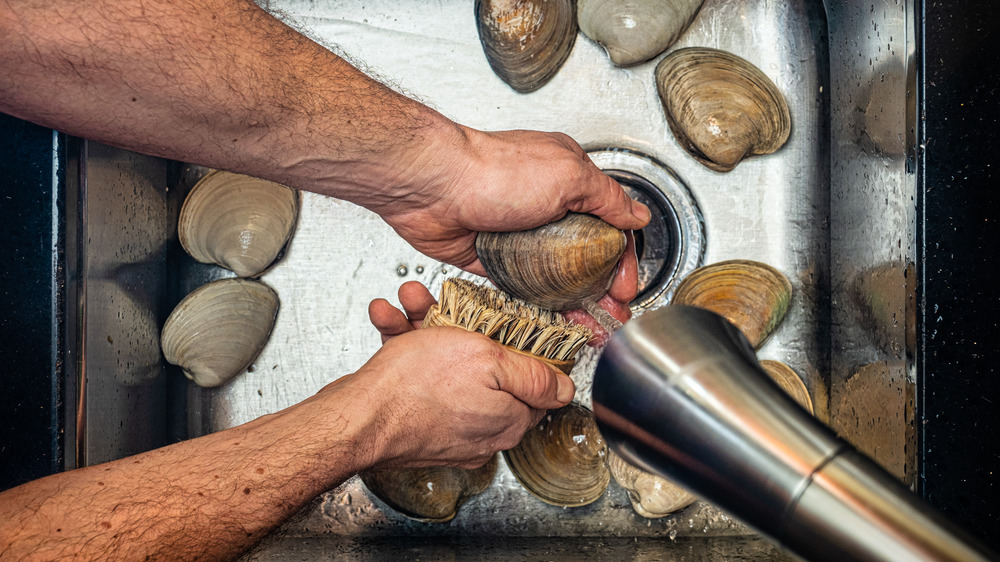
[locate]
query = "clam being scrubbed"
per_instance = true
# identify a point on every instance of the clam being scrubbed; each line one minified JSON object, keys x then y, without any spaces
{"x":238,"y":222}
{"x":219,"y":329}
{"x":634,"y":31}
{"x":558,"y":266}
{"x":561,"y":460}
{"x":720,"y":107}
{"x":752,"y":295}
{"x":432,"y":494}
{"x":526,"y":41}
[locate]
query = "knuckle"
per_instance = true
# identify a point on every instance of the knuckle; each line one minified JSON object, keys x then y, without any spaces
{"x":491,"y":354}
{"x":510,"y":438}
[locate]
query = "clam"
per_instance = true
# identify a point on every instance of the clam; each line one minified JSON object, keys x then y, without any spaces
{"x":561,"y":460}
{"x":634,"y":31}
{"x":433,"y":494}
{"x":238,"y":222}
{"x":789,"y":381}
{"x":526,"y":41}
{"x":651,"y":495}
{"x":720,"y":107}
{"x":219,"y":329}
{"x":557,"y":266}
{"x":752,"y":295}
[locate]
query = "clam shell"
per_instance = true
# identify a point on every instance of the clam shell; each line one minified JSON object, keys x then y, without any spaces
{"x":634,"y":31}
{"x":720,"y":107}
{"x":789,"y":381}
{"x":238,"y":222}
{"x":526,"y":41}
{"x":752,"y":295}
{"x":651,"y":495}
{"x":557,"y":266}
{"x":433,"y":494}
{"x":561,"y":460}
{"x":218,"y":329}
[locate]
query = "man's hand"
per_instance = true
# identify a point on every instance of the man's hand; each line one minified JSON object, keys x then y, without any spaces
{"x":478,"y":397}
{"x":503,"y":181}
{"x":512,"y":180}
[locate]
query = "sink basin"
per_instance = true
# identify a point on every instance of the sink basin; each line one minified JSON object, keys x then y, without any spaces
{"x":833,"y":210}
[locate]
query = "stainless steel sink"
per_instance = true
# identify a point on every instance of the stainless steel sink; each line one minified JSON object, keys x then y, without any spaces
{"x":834,"y":210}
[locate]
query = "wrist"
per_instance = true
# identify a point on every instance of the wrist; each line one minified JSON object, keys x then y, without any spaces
{"x":418,"y":172}
{"x":397,"y":151}
{"x":342,"y":426}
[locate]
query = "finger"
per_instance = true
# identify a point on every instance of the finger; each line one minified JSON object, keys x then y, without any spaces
{"x":387,"y":319}
{"x":603,"y":197}
{"x":476,"y":268}
{"x":568,"y":142}
{"x":416,"y":300}
{"x":475,"y":463}
{"x":519,"y":419}
{"x":625,"y":285}
{"x":537,"y":415}
{"x":520,"y":424}
{"x":533,"y":382}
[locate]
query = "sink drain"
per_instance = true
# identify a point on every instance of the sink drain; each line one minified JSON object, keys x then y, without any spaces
{"x":673,"y":243}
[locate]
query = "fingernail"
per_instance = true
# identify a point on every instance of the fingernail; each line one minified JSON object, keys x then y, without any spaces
{"x":565,"y":390}
{"x":641,"y":212}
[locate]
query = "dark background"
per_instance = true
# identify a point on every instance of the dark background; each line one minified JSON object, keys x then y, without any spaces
{"x":958,"y":386}
{"x":31,"y":281}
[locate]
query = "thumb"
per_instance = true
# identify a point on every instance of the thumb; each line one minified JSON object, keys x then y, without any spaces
{"x":606,"y":199}
{"x":533,"y":382}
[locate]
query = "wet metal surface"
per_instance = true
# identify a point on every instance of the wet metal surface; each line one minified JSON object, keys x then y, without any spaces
{"x":547,"y":548}
{"x":842,"y":234}
{"x":773,"y":209}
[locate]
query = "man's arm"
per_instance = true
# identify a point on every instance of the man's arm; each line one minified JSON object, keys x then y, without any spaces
{"x":215,"y":82}
{"x":215,"y":496}
{"x":204,"y":498}
{"x":224,"y":84}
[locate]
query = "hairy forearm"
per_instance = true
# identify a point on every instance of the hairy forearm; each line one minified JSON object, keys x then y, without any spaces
{"x":210,"y":497}
{"x":214,"y":82}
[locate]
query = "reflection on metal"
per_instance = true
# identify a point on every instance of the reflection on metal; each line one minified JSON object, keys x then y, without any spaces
{"x":875,"y":414}
{"x":873,"y":222}
{"x":679,"y":392}
{"x":885,"y":299}
{"x":126,"y":222}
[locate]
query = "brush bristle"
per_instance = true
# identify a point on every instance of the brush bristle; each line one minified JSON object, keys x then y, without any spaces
{"x":510,"y":321}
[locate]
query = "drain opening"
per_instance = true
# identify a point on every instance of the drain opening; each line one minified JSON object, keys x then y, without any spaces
{"x":656,"y":245}
{"x":673,"y":243}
